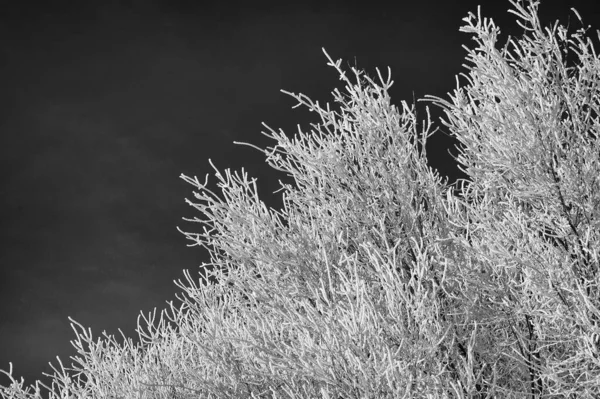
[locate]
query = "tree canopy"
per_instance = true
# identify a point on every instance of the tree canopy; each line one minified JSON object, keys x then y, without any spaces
{"x":377,"y":280}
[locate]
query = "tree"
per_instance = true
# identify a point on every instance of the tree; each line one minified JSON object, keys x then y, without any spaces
{"x":528,"y":123}
{"x":379,"y":279}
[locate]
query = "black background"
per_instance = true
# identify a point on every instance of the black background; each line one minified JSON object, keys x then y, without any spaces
{"x":104,"y":104}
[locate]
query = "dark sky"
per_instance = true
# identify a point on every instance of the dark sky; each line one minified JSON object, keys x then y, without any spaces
{"x":104,"y":104}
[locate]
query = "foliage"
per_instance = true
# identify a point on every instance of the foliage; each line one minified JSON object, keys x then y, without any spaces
{"x":375,"y":280}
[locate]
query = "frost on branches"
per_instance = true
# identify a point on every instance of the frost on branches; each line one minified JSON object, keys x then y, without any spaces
{"x":375,"y":280}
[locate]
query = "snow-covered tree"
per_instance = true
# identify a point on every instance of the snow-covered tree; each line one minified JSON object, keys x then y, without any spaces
{"x":377,"y":280}
{"x":528,"y":124}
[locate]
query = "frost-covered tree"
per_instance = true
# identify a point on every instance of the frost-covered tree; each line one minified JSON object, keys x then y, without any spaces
{"x":378,"y":279}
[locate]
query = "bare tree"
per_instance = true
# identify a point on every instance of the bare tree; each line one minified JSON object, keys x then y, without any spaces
{"x":376,"y":281}
{"x":528,"y":124}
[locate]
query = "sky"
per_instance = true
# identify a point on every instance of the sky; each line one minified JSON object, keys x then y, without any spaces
{"x":103,"y":104}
